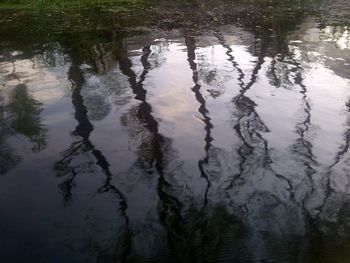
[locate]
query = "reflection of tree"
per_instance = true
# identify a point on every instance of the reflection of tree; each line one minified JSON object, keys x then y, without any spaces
{"x":198,"y":235}
{"x":303,"y":147}
{"x":83,"y":130}
{"x":69,"y":168}
{"x":19,"y":114}
{"x":8,"y":157}
{"x":325,"y":221}
{"x":345,"y":147}
{"x":25,"y":116}
{"x":191,"y":46}
{"x":170,"y":206}
{"x":319,"y":201}
{"x":334,"y":212}
{"x":255,"y":165}
{"x":102,"y":88}
{"x":192,"y":235}
{"x":249,"y":124}
{"x":103,"y":57}
{"x":278,"y":72}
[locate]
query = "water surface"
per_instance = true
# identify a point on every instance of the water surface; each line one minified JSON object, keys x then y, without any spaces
{"x":224,"y":138}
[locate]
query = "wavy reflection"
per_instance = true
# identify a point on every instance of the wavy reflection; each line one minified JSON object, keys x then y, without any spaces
{"x":303,"y":147}
{"x":68,"y":167}
{"x":249,"y":124}
{"x":345,"y":147}
{"x":83,"y":130}
{"x":170,"y":206}
{"x":191,"y":48}
{"x":276,"y":189}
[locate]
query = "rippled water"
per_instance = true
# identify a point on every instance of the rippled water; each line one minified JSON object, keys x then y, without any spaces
{"x":223,"y":144}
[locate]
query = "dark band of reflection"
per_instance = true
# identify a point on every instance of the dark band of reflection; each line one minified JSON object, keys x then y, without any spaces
{"x":170,"y":214}
{"x":83,"y":130}
{"x":303,"y":147}
{"x":194,"y":235}
{"x":244,"y":150}
{"x":337,"y":159}
{"x":191,"y":47}
{"x":323,"y":221}
{"x":247,"y":108}
{"x":345,"y":148}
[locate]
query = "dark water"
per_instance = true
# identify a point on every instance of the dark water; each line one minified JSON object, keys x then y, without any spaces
{"x":219,"y":136}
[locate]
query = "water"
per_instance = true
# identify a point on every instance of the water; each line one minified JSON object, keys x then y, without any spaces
{"x":220,"y":136}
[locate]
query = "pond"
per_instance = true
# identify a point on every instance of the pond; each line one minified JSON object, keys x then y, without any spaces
{"x":176,"y":132}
